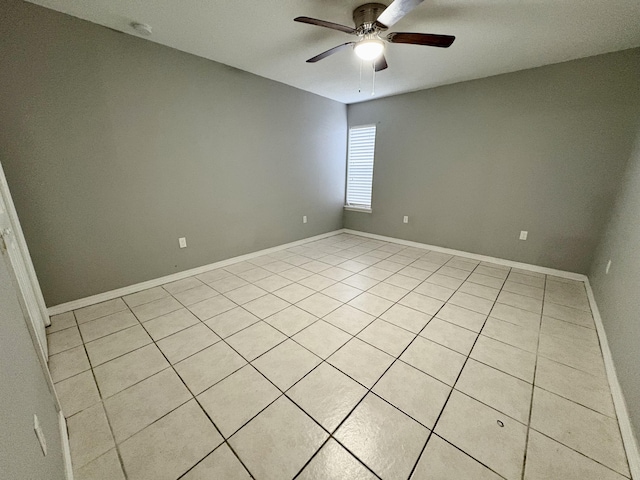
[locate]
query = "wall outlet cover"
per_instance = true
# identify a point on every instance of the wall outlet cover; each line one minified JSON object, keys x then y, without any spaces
{"x":606,"y":272}
{"x":523,"y":234}
{"x":405,"y":219}
{"x":182,"y":241}
{"x":304,"y":219}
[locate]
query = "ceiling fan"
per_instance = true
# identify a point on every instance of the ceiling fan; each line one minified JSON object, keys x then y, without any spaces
{"x":371,"y":20}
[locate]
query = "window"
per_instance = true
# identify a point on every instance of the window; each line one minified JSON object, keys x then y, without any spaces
{"x":362,"y":143}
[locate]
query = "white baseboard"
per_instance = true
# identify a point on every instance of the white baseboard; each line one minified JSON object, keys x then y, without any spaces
{"x":66,"y":450}
{"x":110,"y":295}
{"x":483,"y":258}
{"x":629,"y":439}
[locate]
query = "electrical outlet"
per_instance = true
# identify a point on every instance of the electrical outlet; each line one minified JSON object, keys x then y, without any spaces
{"x":606,"y":271}
{"x":523,"y":234}
{"x":40,"y":434}
{"x":304,"y":219}
{"x":182,"y":241}
{"x":405,"y":219}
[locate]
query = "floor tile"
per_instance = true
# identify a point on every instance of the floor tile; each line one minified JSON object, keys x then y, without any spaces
{"x":61,"y":321}
{"x":385,"y":439}
{"x":273,"y":283}
{"x":287,"y":363}
{"x":403,"y":281}
{"x":327,"y":394}
{"x":425,"y":266}
{"x":462,"y":317}
{"x":583,"y":388}
{"x":105,"y":467}
{"x":590,"y":433}
{"x":422,"y":303}
{"x":353,"y":266}
{"x":89,"y":435}
{"x":122,"y":372}
{"x":221,"y":463}
{"x":336,"y":273}
{"x":406,"y":318}
{"x":526,"y":279}
{"x":77,"y":393}
{"x":484,"y":433}
{"x":386,"y":337}
{"x":255,"y":340}
{"x":479,"y":290}
{"x":134,"y":408}
{"x":492,"y":271}
{"x":574,"y":353}
{"x":505,"y":357}
{"x":434,"y":291}
{"x":349,"y":319}
{"x":228,"y":283}
{"x":209,"y":366}
{"x":452,"y":336}
{"x":315,"y":266}
{"x":471,"y":302}
{"x":376,"y":273}
{"x":319,"y":304}
{"x":68,"y":363}
{"x":245,"y":294}
{"x":98,"y":310}
{"x":334,"y":463}
{"x":342,"y":292}
{"x":460,"y":263}
{"x":278,"y":266}
{"x":516,"y":316}
{"x":271,"y":451}
{"x":182,"y":285}
{"x":492,"y":387}
{"x":520,"y":301}
{"x":433,"y":359}
{"x":294,"y":292}
{"x":458,"y":273}
{"x":485,"y":280}
{"x":145,"y":296}
{"x":213,"y":275}
{"x":568,"y":314}
{"x":237,"y":399}
{"x":414,"y":392}
{"x":446,"y":281}
{"x":187,"y":342}
{"x":255,"y":274}
{"x":515,"y":335}
{"x":147,"y":311}
{"x":211,"y":307}
{"x":548,"y":459}
{"x":317,"y":282}
{"x":266,"y":306}
{"x":322,"y":338}
{"x":109,"y":324}
{"x":169,"y":447}
{"x":295,"y":274}
{"x":231,"y":321}
{"x":559,"y":328}
{"x":195,"y":295}
{"x":442,"y":461}
{"x":63,"y":340}
{"x":291,"y":320}
{"x":360,"y":282}
{"x":168,"y":324}
{"x":522,"y":289}
{"x":239,"y":267}
{"x":107,"y":348}
{"x":361,"y":361}
{"x":417,"y":273}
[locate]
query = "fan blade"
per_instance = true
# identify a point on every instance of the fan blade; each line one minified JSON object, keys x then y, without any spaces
{"x":398,"y":9}
{"x":322,"y":23}
{"x":331,"y":51}
{"x":429,"y":39}
{"x":380,"y":63}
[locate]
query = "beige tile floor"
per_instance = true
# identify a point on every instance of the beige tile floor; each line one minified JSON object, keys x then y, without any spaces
{"x":344,"y":358}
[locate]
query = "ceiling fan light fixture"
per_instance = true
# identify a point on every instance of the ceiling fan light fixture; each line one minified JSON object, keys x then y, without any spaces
{"x":369,"y":49}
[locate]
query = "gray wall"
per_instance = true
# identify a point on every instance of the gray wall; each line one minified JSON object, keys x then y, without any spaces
{"x":24,"y":392}
{"x":474,"y":163}
{"x":114,"y":147}
{"x":617,"y":293}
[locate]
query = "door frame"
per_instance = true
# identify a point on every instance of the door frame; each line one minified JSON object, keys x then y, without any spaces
{"x":18,"y":253}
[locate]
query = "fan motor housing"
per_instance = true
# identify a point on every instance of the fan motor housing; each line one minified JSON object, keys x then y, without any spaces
{"x":366,"y":15}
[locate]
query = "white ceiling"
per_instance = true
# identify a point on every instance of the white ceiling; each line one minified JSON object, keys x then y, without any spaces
{"x":260,"y":36}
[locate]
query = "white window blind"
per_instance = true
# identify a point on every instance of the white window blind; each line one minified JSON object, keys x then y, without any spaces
{"x":362,"y":144}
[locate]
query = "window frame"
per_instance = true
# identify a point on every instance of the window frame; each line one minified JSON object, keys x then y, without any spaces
{"x":353,"y":206}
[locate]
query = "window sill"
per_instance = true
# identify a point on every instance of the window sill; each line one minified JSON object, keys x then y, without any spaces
{"x":357,"y":209}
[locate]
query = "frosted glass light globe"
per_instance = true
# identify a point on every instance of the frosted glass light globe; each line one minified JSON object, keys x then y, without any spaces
{"x":369,"y":49}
